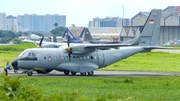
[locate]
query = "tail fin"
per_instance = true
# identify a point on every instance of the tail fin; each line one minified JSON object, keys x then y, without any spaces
{"x":150,"y":31}
{"x":85,"y":35}
{"x":68,"y":33}
{"x":28,"y":36}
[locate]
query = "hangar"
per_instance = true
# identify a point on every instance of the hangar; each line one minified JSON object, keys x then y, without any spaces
{"x":170,"y":23}
{"x":170,"y":27}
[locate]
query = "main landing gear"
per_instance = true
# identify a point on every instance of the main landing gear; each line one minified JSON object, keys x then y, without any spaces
{"x":82,"y":73}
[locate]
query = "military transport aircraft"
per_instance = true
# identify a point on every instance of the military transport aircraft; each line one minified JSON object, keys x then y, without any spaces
{"x":85,"y":58}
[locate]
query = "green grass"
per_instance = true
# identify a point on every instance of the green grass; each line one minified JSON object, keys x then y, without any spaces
{"x":153,"y":61}
{"x":107,"y":88}
{"x":9,"y":52}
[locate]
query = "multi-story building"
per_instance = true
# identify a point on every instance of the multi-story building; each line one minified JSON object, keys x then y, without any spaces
{"x":40,"y":22}
{"x":108,"y":22}
{"x":11,"y":23}
{"x":2,"y":21}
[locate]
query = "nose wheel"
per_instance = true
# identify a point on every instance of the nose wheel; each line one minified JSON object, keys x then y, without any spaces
{"x":29,"y":73}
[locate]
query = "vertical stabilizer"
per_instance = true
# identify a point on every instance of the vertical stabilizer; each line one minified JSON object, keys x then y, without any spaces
{"x":28,"y":36}
{"x":150,"y":31}
{"x":85,"y":35}
{"x":68,"y":33}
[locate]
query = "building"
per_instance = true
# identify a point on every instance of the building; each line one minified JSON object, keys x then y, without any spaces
{"x":40,"y":22}
{"x":108,"y":22}
{"x":11,"y":23}
{"x":2,"y":21}
{"x":170,"y":23}
{"x":170,"y":17}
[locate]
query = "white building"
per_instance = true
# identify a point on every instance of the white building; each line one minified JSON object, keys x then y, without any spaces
{"x":2,"y":21}
{"x":11,"y":24}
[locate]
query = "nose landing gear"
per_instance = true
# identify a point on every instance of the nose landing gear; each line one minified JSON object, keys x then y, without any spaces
{"x":29,"y":73}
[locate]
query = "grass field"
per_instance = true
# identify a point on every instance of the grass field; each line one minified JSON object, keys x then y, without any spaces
{"x":153,"y":61}
{"x":9,"y":52}
{"x":104,"y":88}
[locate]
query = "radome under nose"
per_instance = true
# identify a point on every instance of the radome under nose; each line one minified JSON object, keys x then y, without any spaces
{"x":14,"y":63}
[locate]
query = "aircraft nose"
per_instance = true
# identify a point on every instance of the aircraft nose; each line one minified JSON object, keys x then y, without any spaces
{"x":14,"y":63}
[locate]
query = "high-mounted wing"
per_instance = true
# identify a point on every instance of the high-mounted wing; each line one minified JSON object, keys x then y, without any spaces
{"x":85,"y":48}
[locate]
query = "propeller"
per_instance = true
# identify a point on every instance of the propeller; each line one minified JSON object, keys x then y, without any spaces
{"x":68,"y":49}
{"x":40,"y":43}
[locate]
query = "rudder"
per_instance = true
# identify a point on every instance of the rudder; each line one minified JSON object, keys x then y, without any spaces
{"x":150,"y":31}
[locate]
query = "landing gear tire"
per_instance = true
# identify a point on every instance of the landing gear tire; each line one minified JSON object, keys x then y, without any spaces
{"x":90,"y":73}
{"x":66,"y":72}
{"x":83,"y":73}
{"x":29,"y":73}
{"x":73,"y":73}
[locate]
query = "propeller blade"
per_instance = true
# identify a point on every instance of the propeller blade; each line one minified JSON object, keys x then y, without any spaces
{"x":69,"y":54}
{"x":68,"y":41}
{"x":41,"y":41}
{"x":69,"y":48}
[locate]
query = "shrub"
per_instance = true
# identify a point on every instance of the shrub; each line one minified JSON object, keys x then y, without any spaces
{"x":12,"y":89}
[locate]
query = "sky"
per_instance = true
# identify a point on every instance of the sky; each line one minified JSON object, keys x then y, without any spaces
{"x":80,"y":12}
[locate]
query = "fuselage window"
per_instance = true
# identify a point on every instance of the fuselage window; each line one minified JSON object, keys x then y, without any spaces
{"x":44,"y":57}
{"x":74,"y":57}
{"x":84,"y":57}
{"x":77,"y":57}
{"x":87,"y":57}
{"x":91,"y":57}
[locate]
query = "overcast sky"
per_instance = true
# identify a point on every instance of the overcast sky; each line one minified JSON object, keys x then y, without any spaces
{"x":80,"y":12}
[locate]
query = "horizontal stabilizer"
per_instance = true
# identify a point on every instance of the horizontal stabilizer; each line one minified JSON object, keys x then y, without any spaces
{"x":156,"y":47}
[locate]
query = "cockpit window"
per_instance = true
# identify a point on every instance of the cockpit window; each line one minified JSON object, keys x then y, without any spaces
{"x":24,"y":53}
{"x":29,"y":55}
{"x":33,"y":55}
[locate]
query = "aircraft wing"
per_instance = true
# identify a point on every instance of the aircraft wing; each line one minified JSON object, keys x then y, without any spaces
{"x":52,"y":45}
{"x":101,"y":46}
{"x":85,"y":48}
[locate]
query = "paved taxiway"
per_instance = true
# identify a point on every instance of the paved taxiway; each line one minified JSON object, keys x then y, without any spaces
{"x":98,"y":73}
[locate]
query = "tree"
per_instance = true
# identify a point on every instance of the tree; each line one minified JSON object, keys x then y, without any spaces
{"x":58,"y":31}
{"x":7,"y":36}
{"x":55,"y":25}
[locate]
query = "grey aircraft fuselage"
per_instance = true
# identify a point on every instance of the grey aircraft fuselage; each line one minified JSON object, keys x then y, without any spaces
{"x":54,"y":58}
